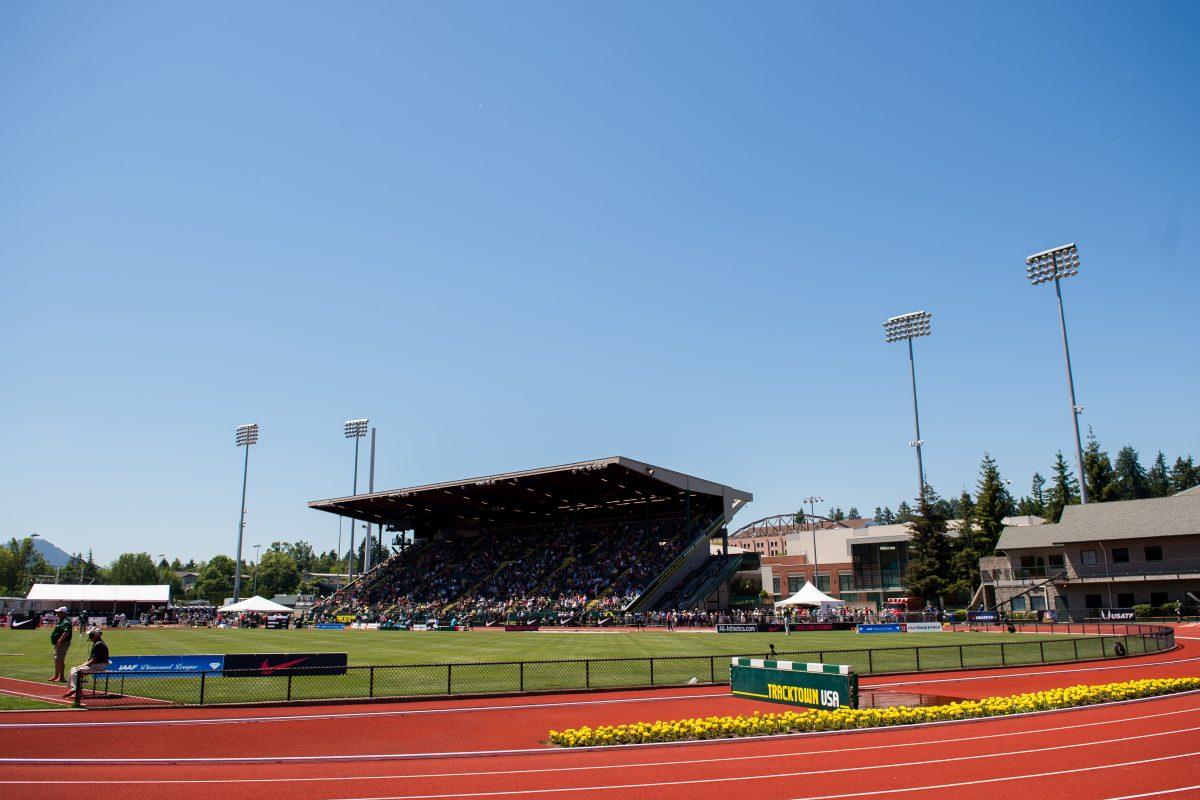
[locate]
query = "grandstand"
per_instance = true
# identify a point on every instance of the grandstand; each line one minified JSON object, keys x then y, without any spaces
{"x":597,"y":538}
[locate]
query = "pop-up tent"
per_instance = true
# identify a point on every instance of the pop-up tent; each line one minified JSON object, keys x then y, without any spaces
{"x":256,"y":603}
{"x":811,"y":596}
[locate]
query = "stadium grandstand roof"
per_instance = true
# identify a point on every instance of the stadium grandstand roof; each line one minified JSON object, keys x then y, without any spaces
{"x":605,"y":488}
{"x":100,"y":593}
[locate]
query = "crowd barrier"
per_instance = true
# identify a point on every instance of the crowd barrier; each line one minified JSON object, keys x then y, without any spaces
{"x":1079,"y":642}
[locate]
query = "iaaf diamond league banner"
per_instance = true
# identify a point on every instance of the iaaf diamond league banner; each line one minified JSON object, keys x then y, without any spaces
{"x":132,"y":666}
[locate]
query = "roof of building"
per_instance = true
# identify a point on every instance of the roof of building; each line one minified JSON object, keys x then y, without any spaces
{"x":1177,"y":515}
{"x":100,"y":593}
{"x":544,"y":496}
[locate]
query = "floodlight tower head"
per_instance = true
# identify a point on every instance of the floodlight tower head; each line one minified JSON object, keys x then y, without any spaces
{"x":246,"y":435}
{"x":907,"y":326}
{"x":1057,"y":262}
{"x":356,"y":428}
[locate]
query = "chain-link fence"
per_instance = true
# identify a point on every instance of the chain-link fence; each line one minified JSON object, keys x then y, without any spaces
{"x":1094,"y":641}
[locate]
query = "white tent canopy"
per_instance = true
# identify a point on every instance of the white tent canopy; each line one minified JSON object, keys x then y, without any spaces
{"x":256,"y":603}
{"x":810,"y":595}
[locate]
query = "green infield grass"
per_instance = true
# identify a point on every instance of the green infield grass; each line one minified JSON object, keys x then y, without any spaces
{"x":10,"y":703}
{"x":414,"y":663}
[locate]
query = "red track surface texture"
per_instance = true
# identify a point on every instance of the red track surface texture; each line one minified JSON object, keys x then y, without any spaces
{"x":1146,"y":749}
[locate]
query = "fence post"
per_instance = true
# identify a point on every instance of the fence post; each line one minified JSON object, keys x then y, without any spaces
{"x":289,"y":689}
{"x":202,"y":676}
{"x":1042,"y":649}
{"x":651,"y":670}
{"x":587,"y":673}
{"x":917,"y":650}
{"x":960,"y":657}
{"x":1003,"y":661}
{"x":712,"y":669}
{"x":521,"y":675}
{"x":1076,"y":643}
{"x":371,"y":682}
{"x":871,"y":661}
{"x":449,"y":672}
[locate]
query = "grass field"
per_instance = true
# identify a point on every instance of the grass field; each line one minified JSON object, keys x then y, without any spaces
{"x":678,"y":658}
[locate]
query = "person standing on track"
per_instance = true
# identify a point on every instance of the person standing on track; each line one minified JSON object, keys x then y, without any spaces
{"x":97,"y":662}
{"x":60,"y":638}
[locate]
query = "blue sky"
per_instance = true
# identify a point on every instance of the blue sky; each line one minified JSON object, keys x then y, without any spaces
{"x":524,"y":234}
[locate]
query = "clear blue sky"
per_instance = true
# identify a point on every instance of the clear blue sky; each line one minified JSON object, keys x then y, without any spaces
{"x":524,"y":234}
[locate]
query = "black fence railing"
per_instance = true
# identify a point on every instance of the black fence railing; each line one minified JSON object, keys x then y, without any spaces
{"x":121,"y":690}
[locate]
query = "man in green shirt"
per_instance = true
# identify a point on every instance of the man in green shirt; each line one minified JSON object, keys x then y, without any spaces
{"x":60,"y":638}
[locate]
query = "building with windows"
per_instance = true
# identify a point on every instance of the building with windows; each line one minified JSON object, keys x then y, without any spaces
{"x":1101,"y":555}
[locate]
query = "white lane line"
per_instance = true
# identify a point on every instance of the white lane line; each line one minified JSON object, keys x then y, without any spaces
{"x":1159,"y":793}
{"x":625,"y":765}
{"x":1005,"y":675}
{"x":353,"y":714}
{"x":43,"y":698}
{"x":803,"y":773}
{"x":543,"y":751}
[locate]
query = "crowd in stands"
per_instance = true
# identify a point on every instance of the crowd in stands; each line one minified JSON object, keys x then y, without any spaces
{"x":552,"y":575}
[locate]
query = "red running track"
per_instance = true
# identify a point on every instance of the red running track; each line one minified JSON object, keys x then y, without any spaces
{"x":1139,"y":750}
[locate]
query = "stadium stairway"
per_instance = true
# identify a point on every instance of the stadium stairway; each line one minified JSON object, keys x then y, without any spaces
{"x":707,"y":580}
{"x":663,"y":590}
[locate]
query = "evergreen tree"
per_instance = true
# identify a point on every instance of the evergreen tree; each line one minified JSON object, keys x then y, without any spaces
{"x":1037,"y":493}
{"x":1158,"y":478}
{"x":1097,"y":471}
{"x":852,"y":513}
{"x":885,"y":517}
{"x":836,"y":514}
{"x":1184,"y":475}
{"x":993,"y":503}
{"x":967,"y":549}
{"x":1129,"y":476}
{"x":1064,"y":489}
{"x":878,"y":515}
{"x":904,"y":512}
{"x":928,"y":549}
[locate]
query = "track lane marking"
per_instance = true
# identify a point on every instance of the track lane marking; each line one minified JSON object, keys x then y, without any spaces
{"x":582,"y":768}
{"x":773,"y":776}
{"x":1159,"y":793}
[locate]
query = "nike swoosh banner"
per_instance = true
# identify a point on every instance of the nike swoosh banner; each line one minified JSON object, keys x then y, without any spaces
{"x":265,"y":665}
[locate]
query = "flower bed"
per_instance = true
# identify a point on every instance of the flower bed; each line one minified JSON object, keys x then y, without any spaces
{"x":759,"y":724}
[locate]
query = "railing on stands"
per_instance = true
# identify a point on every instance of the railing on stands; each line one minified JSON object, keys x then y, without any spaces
{"x":700,"y":541}
{"x":117,"y":690}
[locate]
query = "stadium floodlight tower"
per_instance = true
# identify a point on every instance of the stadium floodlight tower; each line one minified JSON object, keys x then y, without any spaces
{"x":907,"y":327}
{"x":355,"y":429}
{"x":812,"y":518}
{"x":245,"y":435}
{"x":1054,"y":265}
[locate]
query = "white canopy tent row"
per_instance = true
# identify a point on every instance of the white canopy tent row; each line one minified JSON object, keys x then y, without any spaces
{"x":260,"y":604}
{"x":811,"y":597}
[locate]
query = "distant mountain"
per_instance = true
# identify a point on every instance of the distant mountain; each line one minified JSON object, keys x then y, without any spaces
{"x":54,"y":556}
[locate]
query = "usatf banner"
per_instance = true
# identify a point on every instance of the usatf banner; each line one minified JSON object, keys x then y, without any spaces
{"x":826,"y":686}
{"x":983,"y":616}
{"x":263,"y":665}
{"x":1117,"y":614}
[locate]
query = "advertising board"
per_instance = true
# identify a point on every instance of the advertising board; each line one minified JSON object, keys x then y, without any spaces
{"x":824,"y":686}
{"x":132,"y":666}
{"x":330,"y":626}
{"x":262,"y":665}
{"x":884,"y":628}
{"x":520,"y":627}
{"x":923,"y":627}
{"x":1117,"y":614}
{"x":983,"y":616}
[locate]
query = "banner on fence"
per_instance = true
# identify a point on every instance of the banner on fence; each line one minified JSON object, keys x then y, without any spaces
{"x":330,"y":626}
{"x":131,"y":666}
{"x":97,"y":622}
{"x":262,"y":665}
{"x":521,"y":627}
{"x":826,"y":686}
{"x":344,"y":618}
{"x":983,"y":616}
{"x":778,"y":627}
{"x":1117,"y":614}
{"x":22,"y":622}
{"x":923,"y":627}
{"x":882,"y":628}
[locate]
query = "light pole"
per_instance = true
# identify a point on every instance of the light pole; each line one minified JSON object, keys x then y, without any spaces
{"x":245,"y":435}
{"x":812,"y":518}
{"x":257,"y":548}
{"x":354,"y":429}
{"x":907,"y":327}
{"x":1053,"y":265}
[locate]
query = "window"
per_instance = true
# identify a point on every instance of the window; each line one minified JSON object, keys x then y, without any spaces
{"x":1088,"y":559}
{"x":1037,"y":602}
{"x":1158,"y":598}
{"x":1018,"y":604}
{"x":1125,"y":600}
{"x":1092,"y":601}
{"x":1120,"y":555}
{"x":1056,"y":561}
{"x":1060,"y":602}
{"x":1154,"y":552}
{"x":775,"y":585}
{"x":845,"y":583}
{"x":795,"y":582}
{"x":823,"y":583}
